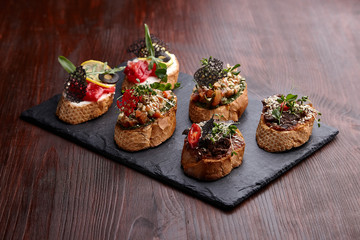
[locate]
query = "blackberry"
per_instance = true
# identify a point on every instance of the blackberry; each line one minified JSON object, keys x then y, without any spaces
{"x":75,"y":85}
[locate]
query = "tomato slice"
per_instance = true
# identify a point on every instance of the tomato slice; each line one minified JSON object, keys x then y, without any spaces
{"x":284,"y":107}
{"x":194,"y":135}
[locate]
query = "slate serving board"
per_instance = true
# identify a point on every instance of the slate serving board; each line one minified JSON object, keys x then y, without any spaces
{"x":259,"y":168}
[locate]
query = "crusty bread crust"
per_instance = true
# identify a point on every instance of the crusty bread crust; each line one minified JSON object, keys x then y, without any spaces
{"x":211,"y":169}
{"x":232,"y":111}
{"x":172,"y":77}
{"x":70,"y":113}
{"x":148,"y":136}
{"x":273,"y":140}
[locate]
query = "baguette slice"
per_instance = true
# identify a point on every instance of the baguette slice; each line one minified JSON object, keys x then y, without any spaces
{"x":231,"y":111}
{"x":148,"y":136}
{"x":172,"y":72}
{"x":210,"y":169}
{"x":75,"y":113}
{"x":272,"y":140}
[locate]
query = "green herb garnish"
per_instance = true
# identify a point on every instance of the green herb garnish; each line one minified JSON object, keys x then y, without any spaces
{"x":161,"y":67}
{"x":232,"y":70}
{"x":66,"y":64}
{"x":105,"y":70}
{"x":164,"y":87}
{"x":70,"y":67}
{"x":277,"y":114}
{"x":141,"y":90}
{"x":233,"y":153}
{"x":148,"y":41}
{"x":160,"y":86}
{"x":232,"y":130}
{"x":288,"y":104}
{"x":220,"y":130}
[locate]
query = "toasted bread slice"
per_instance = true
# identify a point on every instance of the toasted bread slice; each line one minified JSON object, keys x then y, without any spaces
{"x":210,"y":169}
{"x":147,"y":136}
{"x":75,"y":113}
{"x":273,"y":140}
{"x":231,"y":111}
{"x":172,"y":72}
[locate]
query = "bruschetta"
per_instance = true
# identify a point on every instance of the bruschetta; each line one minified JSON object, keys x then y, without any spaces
{"x":147,"y":118}
{"x":212,"y":149}
{"x":220,"y":91}
{"x":88,"y":91}
{"x":153,"y":63}
{"x":286,"y":122}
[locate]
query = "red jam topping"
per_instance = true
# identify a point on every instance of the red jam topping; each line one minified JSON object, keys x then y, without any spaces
{"x":94,"y":92}
{"x":139,"y":70}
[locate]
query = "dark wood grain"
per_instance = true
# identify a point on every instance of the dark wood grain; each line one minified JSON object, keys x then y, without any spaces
{"x":53,"y":189}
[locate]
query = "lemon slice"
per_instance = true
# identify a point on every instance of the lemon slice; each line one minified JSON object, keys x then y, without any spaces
{"x":91,"y":68}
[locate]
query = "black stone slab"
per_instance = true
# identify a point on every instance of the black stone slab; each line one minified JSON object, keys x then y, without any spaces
{"x":259,"y":168}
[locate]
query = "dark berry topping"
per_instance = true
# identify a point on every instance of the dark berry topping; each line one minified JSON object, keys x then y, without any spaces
{"x":139,"y":47}
{"x":206,"y":129}
{"x":75,"y":85}
{"x":211,"y":71}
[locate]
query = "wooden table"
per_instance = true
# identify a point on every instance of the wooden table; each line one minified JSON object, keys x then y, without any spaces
{"x":53,"y":189}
